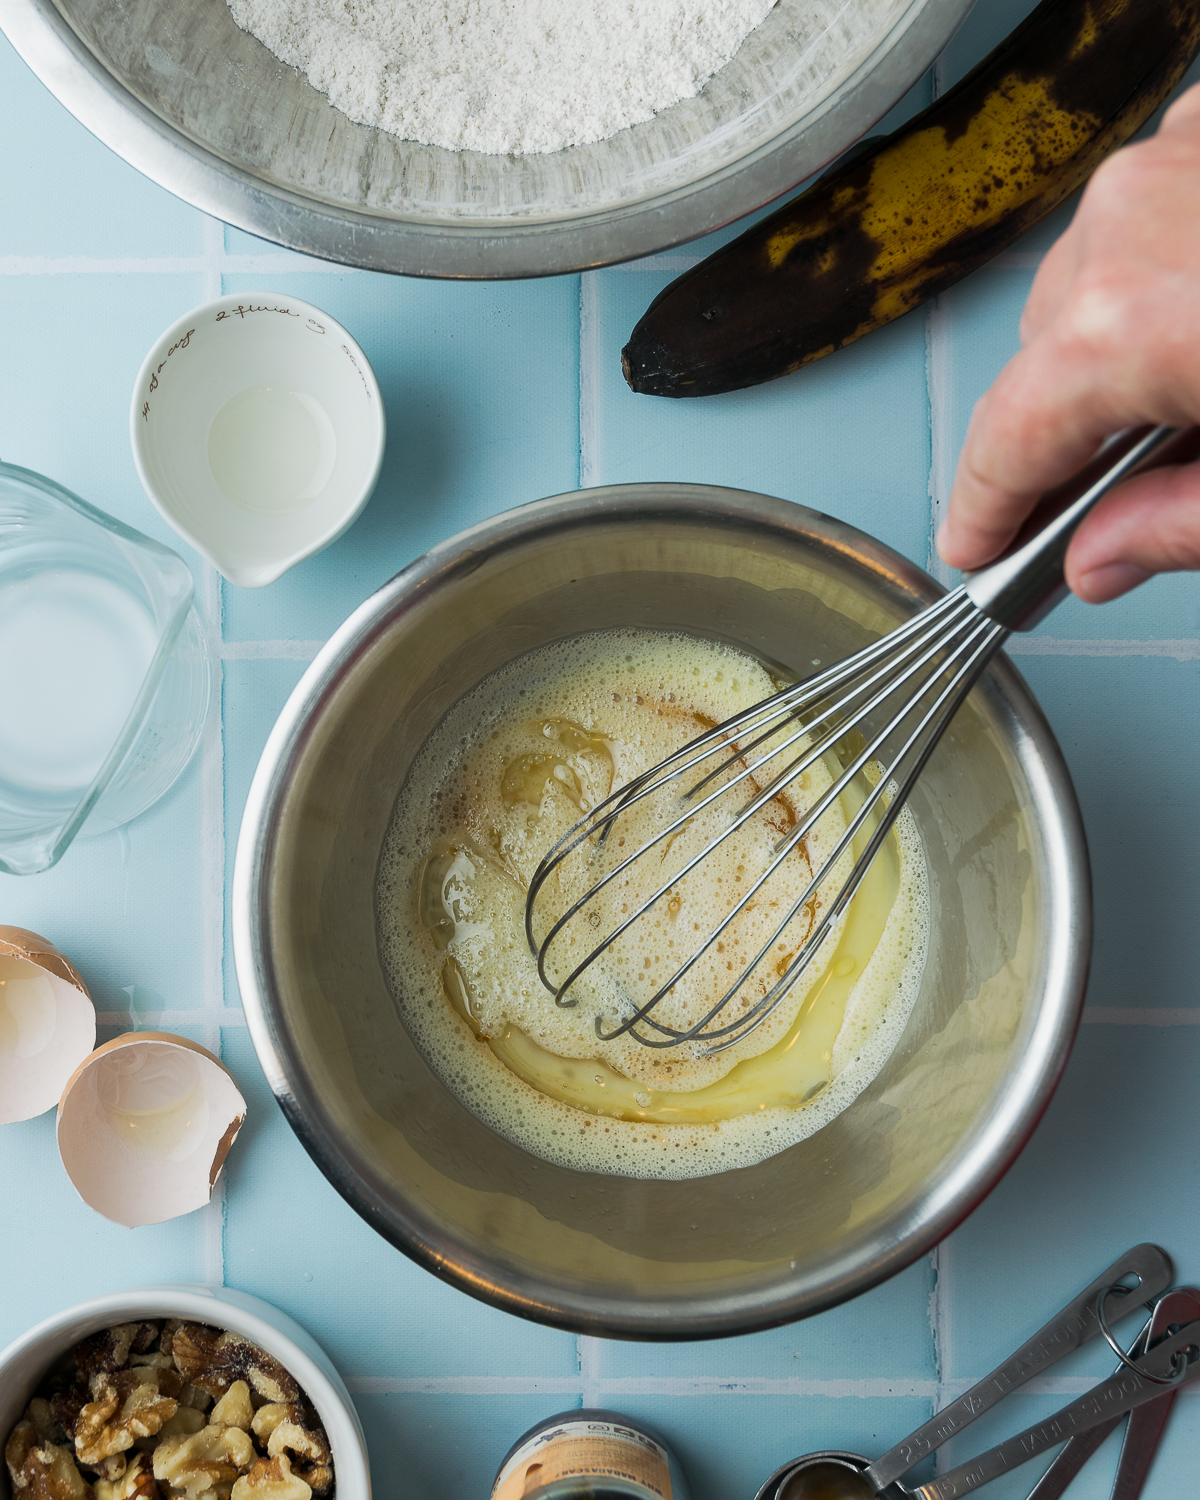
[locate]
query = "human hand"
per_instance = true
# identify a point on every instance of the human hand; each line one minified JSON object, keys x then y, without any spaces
{"x":1110,"y":338}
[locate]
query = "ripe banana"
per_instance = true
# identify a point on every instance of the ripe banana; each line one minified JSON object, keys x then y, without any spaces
{"x":918,"y":210}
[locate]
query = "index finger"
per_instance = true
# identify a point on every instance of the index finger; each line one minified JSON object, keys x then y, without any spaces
{"x":1036,"y":426}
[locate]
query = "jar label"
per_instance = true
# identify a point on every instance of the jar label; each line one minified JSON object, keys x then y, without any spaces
{"x":589,"y":1451}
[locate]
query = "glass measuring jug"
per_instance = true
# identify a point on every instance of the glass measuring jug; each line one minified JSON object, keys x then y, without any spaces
{"x":104,"y":672}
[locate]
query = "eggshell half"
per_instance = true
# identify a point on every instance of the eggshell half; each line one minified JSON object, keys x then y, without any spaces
{"x":47,"y":1023}
{"x":144,"y":1126}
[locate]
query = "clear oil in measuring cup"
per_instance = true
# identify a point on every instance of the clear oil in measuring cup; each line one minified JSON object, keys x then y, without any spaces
{"x":271,"y":449}
{"x":590,"y":1455}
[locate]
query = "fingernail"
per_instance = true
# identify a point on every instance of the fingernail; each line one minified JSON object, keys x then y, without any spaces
{"x":1110,"y":581}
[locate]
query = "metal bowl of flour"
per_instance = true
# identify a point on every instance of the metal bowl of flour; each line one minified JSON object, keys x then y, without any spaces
{"x":824,"y":1219}
{"x":205,"y":109}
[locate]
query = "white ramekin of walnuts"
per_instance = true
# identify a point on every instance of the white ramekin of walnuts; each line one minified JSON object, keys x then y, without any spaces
{"x":176,"y":1393}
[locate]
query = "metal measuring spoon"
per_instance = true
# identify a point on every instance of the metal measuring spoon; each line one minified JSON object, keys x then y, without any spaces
{"x":1172,"y":1310}
{"x":846,"y":1476}
{"x":1175,"y":1361}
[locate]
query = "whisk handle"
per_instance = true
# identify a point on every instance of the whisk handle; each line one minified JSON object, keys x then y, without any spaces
{"x":1021,"y":588}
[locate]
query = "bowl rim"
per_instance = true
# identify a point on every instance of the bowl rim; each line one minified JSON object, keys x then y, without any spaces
{"x":490,"y":248}
{"x":271,"y":1328}
{"x":611,"y":1314}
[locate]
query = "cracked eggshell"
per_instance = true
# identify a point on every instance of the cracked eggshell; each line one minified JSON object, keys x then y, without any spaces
{"x":144,"y":1126}
{"x":47,"y":1024}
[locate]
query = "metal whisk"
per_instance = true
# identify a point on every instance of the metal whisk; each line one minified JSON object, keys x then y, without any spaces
{"x":889,"y":703}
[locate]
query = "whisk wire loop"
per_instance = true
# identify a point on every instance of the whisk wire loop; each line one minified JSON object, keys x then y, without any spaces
{"x":977,"y":648}
{"x":798,"y":702}
{"x":950,"y":634}
{"x":789,"y":699}
{"x":782,"y":849}
{"x":783,"y":706}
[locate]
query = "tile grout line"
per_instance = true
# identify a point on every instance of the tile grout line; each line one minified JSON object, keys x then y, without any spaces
{"x":869,"y":1387}
{"x":941,"y":455}
{"x":937,"y":391}
{"x":270,"y":650}
{"x":590,"y":1382}
{"x":168,"y":265}
{"x":939,"y":1322}
{"x":213,"y":817}
{"x":1178,"y":649}
{"x":214,"y":256}
{"x":213,"y":903}
{"x":1115,"y":1015}
{"x":644,"y":1385}
{"x":1181,"y":649}
{"x":587,"y":378}
{"x":224,"y":1016}
{"x":282,"y":262}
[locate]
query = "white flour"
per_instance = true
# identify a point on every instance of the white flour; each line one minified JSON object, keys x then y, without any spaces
{"x":503,"y":75}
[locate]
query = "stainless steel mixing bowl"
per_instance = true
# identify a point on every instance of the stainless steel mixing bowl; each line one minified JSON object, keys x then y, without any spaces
{"x":206,"y":110}
{"x":914,"y":1153}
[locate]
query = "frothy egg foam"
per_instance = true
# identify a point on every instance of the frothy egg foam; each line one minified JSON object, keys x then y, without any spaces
{"x":510,"y":768}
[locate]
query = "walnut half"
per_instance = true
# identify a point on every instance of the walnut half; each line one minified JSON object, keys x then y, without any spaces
{"x":209,"y":1458}
{"x":307,"y":1447}
{"x":271,"y":1479}
{"x":126,"y":1406}
{"x":42,"y":1471}
{"x":137,"y":1482}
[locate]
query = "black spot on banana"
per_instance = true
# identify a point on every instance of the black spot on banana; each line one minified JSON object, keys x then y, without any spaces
{"x":922,"y":208}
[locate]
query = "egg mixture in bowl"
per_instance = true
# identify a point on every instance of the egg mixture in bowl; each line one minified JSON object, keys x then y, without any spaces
{"x":460,"y":719}
{"x":503,"y":777}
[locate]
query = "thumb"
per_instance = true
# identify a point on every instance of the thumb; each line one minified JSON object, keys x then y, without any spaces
{"x":1150,"y":524}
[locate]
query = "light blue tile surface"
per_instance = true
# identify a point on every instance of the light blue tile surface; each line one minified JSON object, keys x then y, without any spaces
{"x":58,"y":1252}
{"x":497,"y":395}
{"x":1089,"y":1184}
{"x":886,"y":1328}
{"x":149,"y":872}
{"x":77,"y":200}
{"x":73,"y":345}
{"x":847,"y":436}
{"x":1141,"y":814}
{"x":438,"y":1444}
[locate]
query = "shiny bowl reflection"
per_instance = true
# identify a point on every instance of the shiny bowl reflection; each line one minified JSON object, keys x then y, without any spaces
{"x":915,"y":1152}
{"x":207,"y":111}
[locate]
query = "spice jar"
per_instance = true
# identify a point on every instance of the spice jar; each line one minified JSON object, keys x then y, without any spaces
{"x":590,"y":1455}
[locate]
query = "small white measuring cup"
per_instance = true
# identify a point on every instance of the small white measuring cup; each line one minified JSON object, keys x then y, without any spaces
{"x":258,"y":431}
